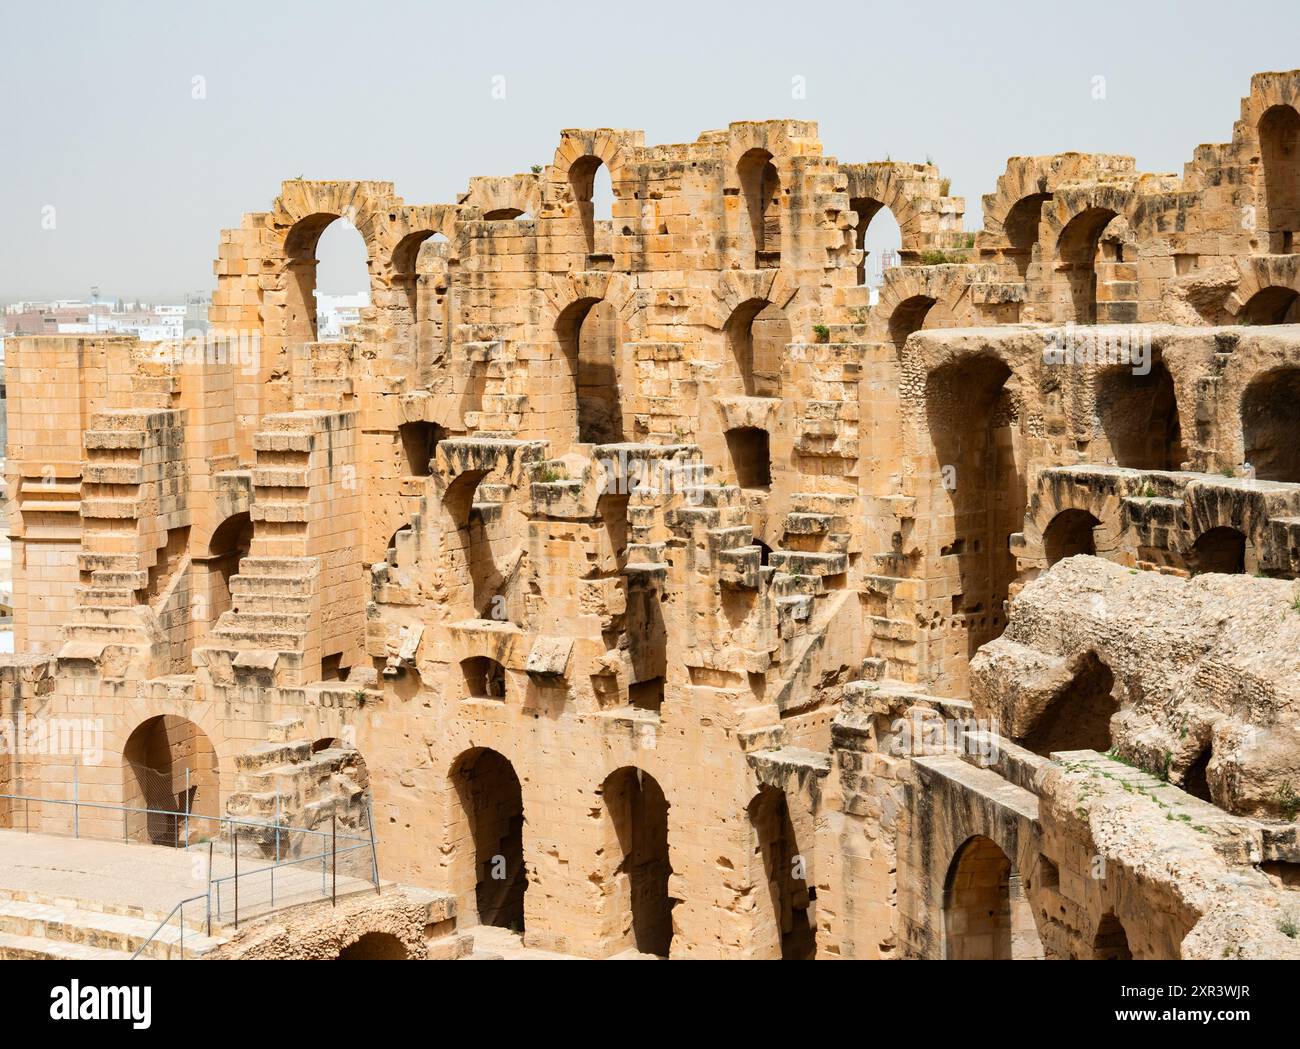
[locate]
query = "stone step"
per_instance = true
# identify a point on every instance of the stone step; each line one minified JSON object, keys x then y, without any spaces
{"x":279,"y":567}
{"x":98,"y":930}
{"x":105,"y":597}
{"x":267,"y":640}
{"x":119,"y":580}
{"x":272,"y":604}
{"x":272,"y":755}
{"x":32,"y":948}
{"x":798,"y":562}
{"x":808,"y":523}
{"x":246,"y":586}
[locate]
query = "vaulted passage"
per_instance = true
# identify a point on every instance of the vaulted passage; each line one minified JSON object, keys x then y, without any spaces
{"x":1139,"y":419}
{"x":908,"y":316}
{"x":638,"y":813}
{"x":1021,"y":227}
{"x":228,"y":546}
{"x":1268,"y":425}
{"x":419,"y":443}
{"x":492,"y":807}
{"x":757,"y":334}
{"x":1279,"y":146}
{"x":375,"y":946}
{"x":1221,"y":550}
{"x":1110,"y":943}
{"x":591,"y":336}
{"x":1069,"y":533}
{"x":593,"y":191}
{"x":878,"y":237}
{"x":785,"y":868}
{"x":170,"y":768}
{"x":751,"y":456}
{"x":1076,"y":260}
{"x":324,"y":306}
{"x":1272,"y":306}
{"x":761,"y":185}
{"x":977,"y":903}
{"x":974,"y":424}
{"x":1077,"y":717}
{"x":485,"y":678}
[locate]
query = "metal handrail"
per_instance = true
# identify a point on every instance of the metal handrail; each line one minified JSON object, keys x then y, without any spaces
{"x":332,"y":852}
{"x":76,"y":803}
{"x":163,"y":924}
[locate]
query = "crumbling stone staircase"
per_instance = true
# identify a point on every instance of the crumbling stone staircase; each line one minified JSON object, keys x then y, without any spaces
{"x":130,"y":503}
{"x":291,"y":781}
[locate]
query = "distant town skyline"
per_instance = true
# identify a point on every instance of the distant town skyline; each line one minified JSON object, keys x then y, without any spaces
{"x":142,"y":130}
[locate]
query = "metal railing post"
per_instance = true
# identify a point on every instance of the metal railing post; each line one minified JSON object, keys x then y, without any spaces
{"x":76,"y":799}
{"x":235,"y":837}
{"x":374,"y":854}
{"x":187,"y":808}
{"x":182,"y":920}
{"x":277,"y":826}
{"x":210,"y":887}
{"x":334,"y":861}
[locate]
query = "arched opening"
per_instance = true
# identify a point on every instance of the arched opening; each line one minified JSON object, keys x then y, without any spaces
{"x":591,"y":336}
{"x":977,"y":903}
{"x":974,"y":424}
{"x":329,"y":280}
{"x":757,"y":334}
{"x":228,"y":546}
{"x":1268,"y":419}
{"x":908,"y":316}
{"x":1021,"y":228}
{"x":1076,"y":259}
{"x":1139,"y":418}
{"x":392,"y":542}
{"x":170,"y":768}
{"x":1078,"y":716}
{"x":375,"y":947}
{"x":1279,"y":147}
{"x":593,"y":192}
{"x":469,"y":544}
{"x":422,"y":268}
{"x":786,"y":869}
{"x":419,"y":443}
{"x":639,"y":814}
{"x":880,"y":240}
{"x":507,"y":214}
{"x":1272,"y":306}
{"x":761,"y":185}
{"x":1110,"y":943}
{"x":1070,"y":532}
{"x":491,"y":801}
{"x":751,"y":456}
{"x":485,"y":678}
{"x":1196,"y":780}
{"x":1221,"y":550}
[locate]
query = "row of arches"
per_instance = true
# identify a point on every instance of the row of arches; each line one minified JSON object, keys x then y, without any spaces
{"x":987,"y":914}
{"x":1223,"y":549}
{"x":171,"y":780}
{"x":973,"y":421}
{"x":638,"y":906}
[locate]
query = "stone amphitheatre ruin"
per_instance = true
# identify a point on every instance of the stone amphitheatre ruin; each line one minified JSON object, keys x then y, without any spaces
{"x":656,"y":590}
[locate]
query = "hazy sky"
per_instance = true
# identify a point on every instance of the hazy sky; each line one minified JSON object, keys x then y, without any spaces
{"x":102,"y":125}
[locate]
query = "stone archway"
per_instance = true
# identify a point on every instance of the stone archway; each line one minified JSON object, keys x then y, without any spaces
{"x":785,"y":870}
{"x":638,"y":818}
{"x":170,"y":782}
{"x":487,"y":836}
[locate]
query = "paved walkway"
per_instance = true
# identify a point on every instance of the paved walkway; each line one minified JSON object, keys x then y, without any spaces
{"x":154,"y":878}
